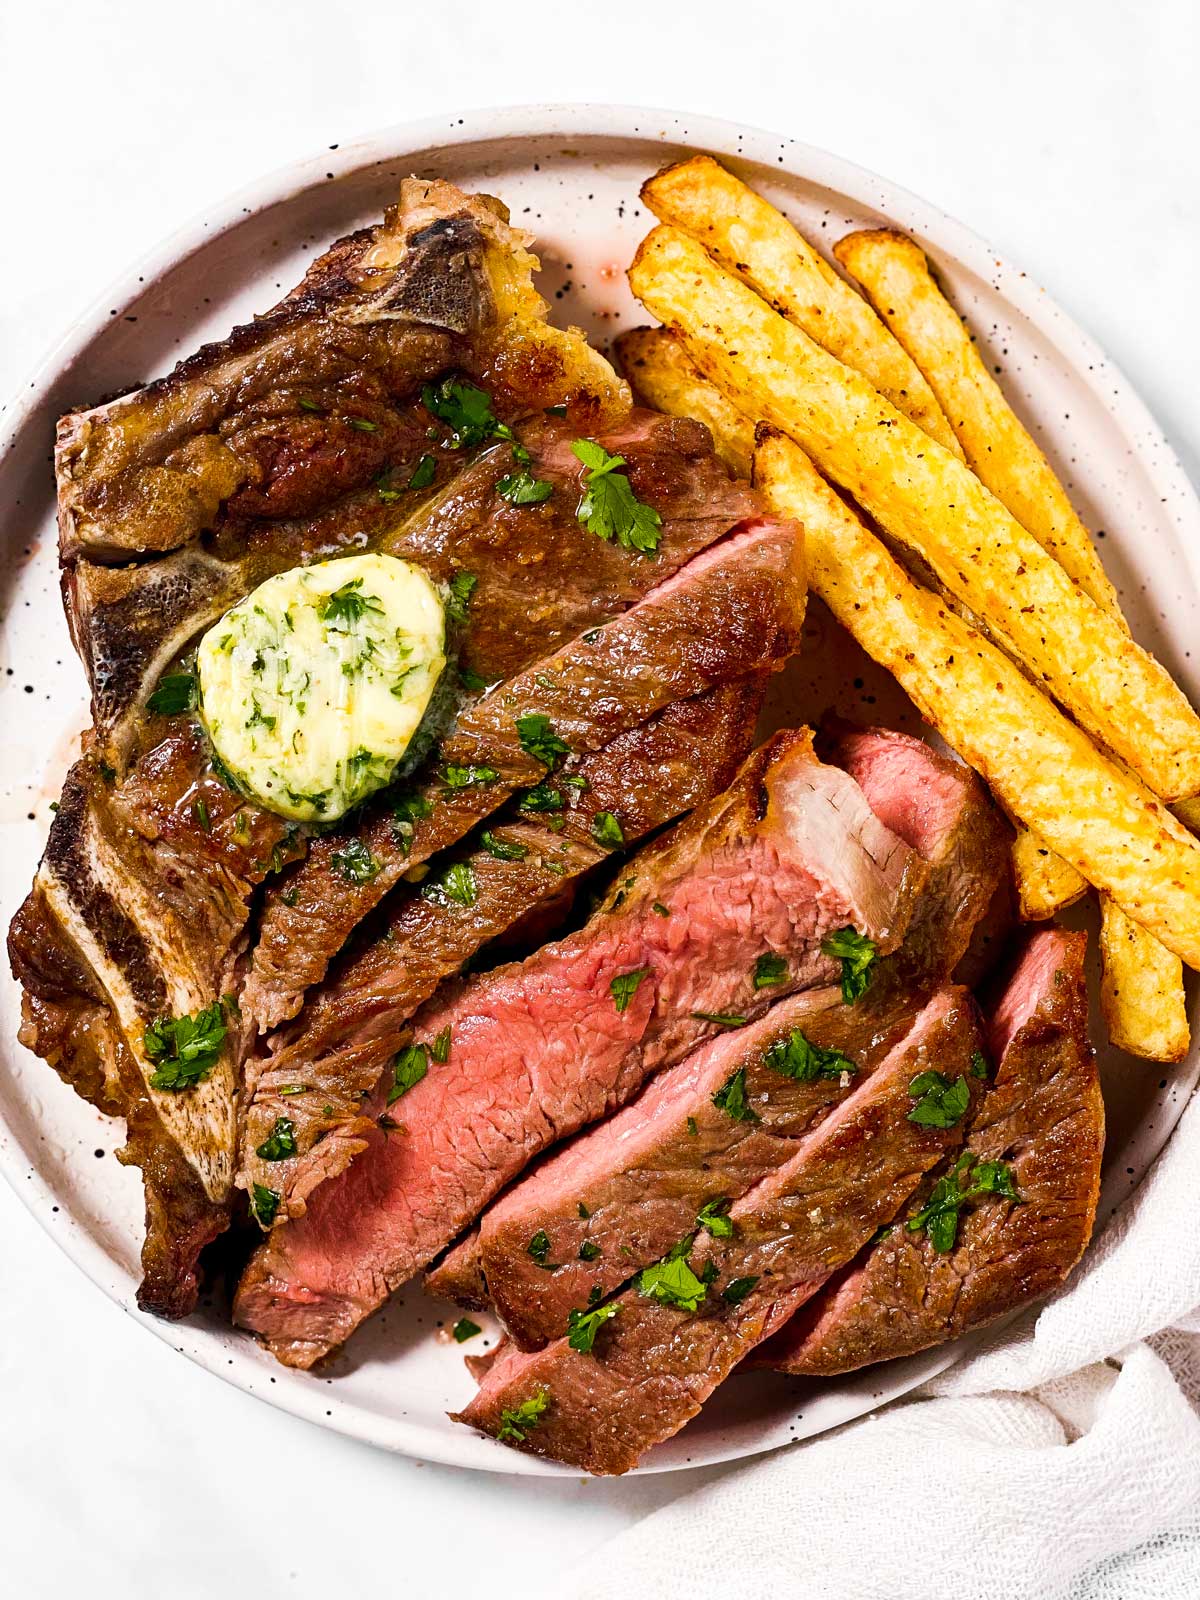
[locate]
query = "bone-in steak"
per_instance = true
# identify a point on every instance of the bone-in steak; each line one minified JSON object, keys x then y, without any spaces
{"x":789,"y":855}
{"x":1044,"y":1117}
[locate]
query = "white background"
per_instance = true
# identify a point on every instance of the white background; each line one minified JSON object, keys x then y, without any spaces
{"x":1065,"y":131}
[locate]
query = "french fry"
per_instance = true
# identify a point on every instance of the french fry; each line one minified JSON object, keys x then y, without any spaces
{"x":929,"y":500}
{"x":1043,"y":769}
{"x":1141,"y":989}
{"x":658,"y":371}
{"x":896,"y":277}
{"x":1045,"y":883}
{"x":747,"y":235}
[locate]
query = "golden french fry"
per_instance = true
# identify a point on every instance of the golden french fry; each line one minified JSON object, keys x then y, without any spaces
{"x":747,"y":235}
{"x":656,"y":368}
{"x":1043,"y":768}
{"x":930,"y":501}
{"x":893,"y":271}
{"x":1044,"y":882}
{"x":896,"y":277}
{"x":1141,"y":989}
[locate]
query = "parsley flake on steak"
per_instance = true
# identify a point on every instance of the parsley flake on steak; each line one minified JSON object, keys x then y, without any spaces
{"x":177,"y":692}
{"x":583,"y":1326}
{"x":517,"y":1422}
{"x":625,"y":985}
{"x":609,"y":508}
{"x":967,"y":1180}
{"x":938,"y":1102}
{"x":185,"y":1049}
{"x":539,"y":739}
{"x":465,"y":1329}
{"x":731,"y":1098}
{"x":280,"y":1143}
{"x":409,"y":1067}
{"x":798,"y":1058}
{"x":857,"y":955}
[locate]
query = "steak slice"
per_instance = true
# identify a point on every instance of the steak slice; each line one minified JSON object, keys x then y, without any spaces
{"x":789,"y":854}
{"x":734,"y":609}
{"x":647,"y":1158}
{"x":654,"y":1363}
{"x":350,"y":1029}
{"x":1043,"y":1114}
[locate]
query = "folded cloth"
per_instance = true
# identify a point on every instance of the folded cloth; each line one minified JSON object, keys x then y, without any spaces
{"x":1060,"y":1462}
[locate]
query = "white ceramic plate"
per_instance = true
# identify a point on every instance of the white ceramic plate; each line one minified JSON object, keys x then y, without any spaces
{"x":571,"y":174}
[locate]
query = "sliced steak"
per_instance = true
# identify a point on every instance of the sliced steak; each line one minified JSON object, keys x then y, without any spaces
{"x":654,"y":1362}
{"x":789,"y":854}
{"x":617,"y":1197}
{"x":939,"y":807}
{"x":333,"y":1057}
{"x":458,"y":1275}
{"x":1043,"y":1115}
{"x":735,"y":609}
{"x":639,"y":1173}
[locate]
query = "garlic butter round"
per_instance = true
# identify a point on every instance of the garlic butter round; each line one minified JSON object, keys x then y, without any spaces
{"x":312,"y":687}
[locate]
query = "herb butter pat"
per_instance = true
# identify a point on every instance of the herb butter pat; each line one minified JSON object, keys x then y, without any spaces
{"x":313,"y":686}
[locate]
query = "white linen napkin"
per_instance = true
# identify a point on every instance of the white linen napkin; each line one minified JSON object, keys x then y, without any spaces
{"x":1061,"y":1462}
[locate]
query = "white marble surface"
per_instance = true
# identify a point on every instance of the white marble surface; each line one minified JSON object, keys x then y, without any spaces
{"x":1066,"y":131}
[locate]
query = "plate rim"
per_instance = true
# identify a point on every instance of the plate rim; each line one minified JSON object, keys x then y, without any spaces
{"x":1156,"y":457}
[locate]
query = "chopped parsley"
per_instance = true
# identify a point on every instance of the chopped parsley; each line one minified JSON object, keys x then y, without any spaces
{"x":517,"y":1422}
{"x":294,"y":1088}
{"x":731,"y":1099}
{"x":539,"y":1247}
{"x":523,"y":489}
{"x":468,"y":777}
{"x":407,"y":811}
{"x":473,"y":682}
{"x":979,"y":1066}
{"x":538,"y":738}
{"x":439,"y":1050}
{"x":423,"y":473}
{"x":408,"y":1068}
{"x":737,"y":1289}
{"x":200,"y":812}
{"x":769,"y":970}
{"x":967,"y":1180}
{"x":542,"y":797}
{"x":363,"y":424}
{"x":673,"y":1283}
{"x":280,"y":1143}
{"x":857,"y":954}
{"x":354,"y":862}
{"x":583,"y":1210}
{"x":938,"y":1102}
{"x":458,"y":601}
{"x":264,"y":1203}
{"x":713,"y":1218}
{"x":502,"y":849}
{"x":583,"y":1326}
{"x":608,"y":507}
{"x":606,"y":830}
{"x":721,"y":1019}
{"x":625,"y":985}
{"x":659,"y":909}
{"x":455,"y":886}
{"x":177,"y":692}
{"x":465,"y":1329}
{"x":589,"y":1250}
{"x":797,"y":1057}
{"x":466,"y":410}
{"x":349,"y":605}
{"x":691,"y":1127}
{"x":185,"y":1049}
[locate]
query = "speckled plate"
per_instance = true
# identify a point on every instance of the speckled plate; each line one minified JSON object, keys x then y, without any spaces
{"x":571,"y":174}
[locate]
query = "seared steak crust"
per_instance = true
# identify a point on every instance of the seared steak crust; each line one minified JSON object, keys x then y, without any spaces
{"x":538,"y":1049}
{"x":1043,"y":1114}
{"x":653,"y":1364}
